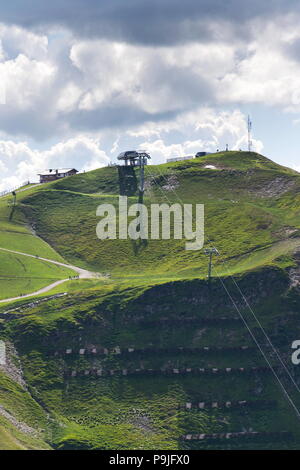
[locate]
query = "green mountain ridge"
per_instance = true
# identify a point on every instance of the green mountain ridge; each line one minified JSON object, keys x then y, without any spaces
{"x":155,"y":300}
{"x":245,"y":202}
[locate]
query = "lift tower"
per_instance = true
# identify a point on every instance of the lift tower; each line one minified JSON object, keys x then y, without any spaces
{"x":14,"y":194}
{"x":137,"y":158}
{"x":210,"y":252}
{"x":143,"y":160}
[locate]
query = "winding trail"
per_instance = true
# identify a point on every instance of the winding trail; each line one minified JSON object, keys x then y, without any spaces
{"x":83,"y":274}
{"x":8,"y":192}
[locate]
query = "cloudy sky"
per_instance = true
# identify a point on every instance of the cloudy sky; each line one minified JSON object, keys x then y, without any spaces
{"x":82,"y":80}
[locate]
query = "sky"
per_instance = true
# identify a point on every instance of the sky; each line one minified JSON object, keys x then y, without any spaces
{"x":81,"y":81}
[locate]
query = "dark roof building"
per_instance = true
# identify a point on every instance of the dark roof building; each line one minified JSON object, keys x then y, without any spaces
{"x":55,"y":174}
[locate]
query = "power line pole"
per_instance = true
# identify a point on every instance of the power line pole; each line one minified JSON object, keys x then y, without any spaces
{"x":14,"y":197}
{"x":142,"y":159}
{"x":210,"y":252}
{"x":142,"y":173}
{"x":249,"y":134}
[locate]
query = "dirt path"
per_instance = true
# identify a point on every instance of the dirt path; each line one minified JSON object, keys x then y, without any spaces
{"x":40,"y":291}
{"x":32,"y":185}
{"x":83,"y":274}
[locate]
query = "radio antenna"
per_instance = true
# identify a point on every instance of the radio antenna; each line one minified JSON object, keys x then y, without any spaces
{"x":249,"y":134}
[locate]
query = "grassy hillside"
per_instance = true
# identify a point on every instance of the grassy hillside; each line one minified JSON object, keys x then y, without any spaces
{"x":123,"y":362}
{"x":23,"y":423}
{"x":251,"y":215}
{"x":148,"y":411}
{"x":12,"y":439}
{"x":20,"y":274}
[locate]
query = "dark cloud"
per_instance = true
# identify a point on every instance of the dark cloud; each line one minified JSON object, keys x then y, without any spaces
{"x":143,"y":21}
{"x":293,"y":50}
{"x":188,"y":90}
{"x":167,"y":87}
{"x":28,"y":123}
{"x":119,"y":117}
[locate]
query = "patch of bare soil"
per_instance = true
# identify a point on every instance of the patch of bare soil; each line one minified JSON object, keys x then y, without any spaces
{"x":12,"y":366}
{"x":18,"y":424}
{"x":171,"y":183}
{"x":274,"y":188}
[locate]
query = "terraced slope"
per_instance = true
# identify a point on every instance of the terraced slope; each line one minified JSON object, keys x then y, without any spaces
{"x":134,"y":369}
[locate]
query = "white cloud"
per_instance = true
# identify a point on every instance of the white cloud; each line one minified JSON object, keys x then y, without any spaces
{"x":163,"y":98}
{"x":68,"y":97}
{"x":82,"y":152}
{"x":115,"y":145}
{"x":150,"y":78}
{"x":267,"y":73}
{"x":19,"y":162}
{"x":296,"y":167}
{"x":201,"y":130}
{"x":109,"y":70}
{"x":64,"y":79}
{"x":153,"y":78}
{"x":204,"y":129}
{"x":26,"y":81}
{"x":16,"y":40}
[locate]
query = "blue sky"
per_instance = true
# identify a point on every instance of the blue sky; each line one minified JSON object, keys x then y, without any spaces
{"x":279,"y":132}
{"x":83,"y":84}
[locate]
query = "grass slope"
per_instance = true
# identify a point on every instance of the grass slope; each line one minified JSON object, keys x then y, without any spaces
{"x":20,"y":274}
{"x":143,"y":412}
{"x":155,"y":300}
{"x":251,"y":215}
{"x":17,"y":401}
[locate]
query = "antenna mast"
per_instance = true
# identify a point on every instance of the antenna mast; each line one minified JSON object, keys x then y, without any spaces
{"x":249,"y":134}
